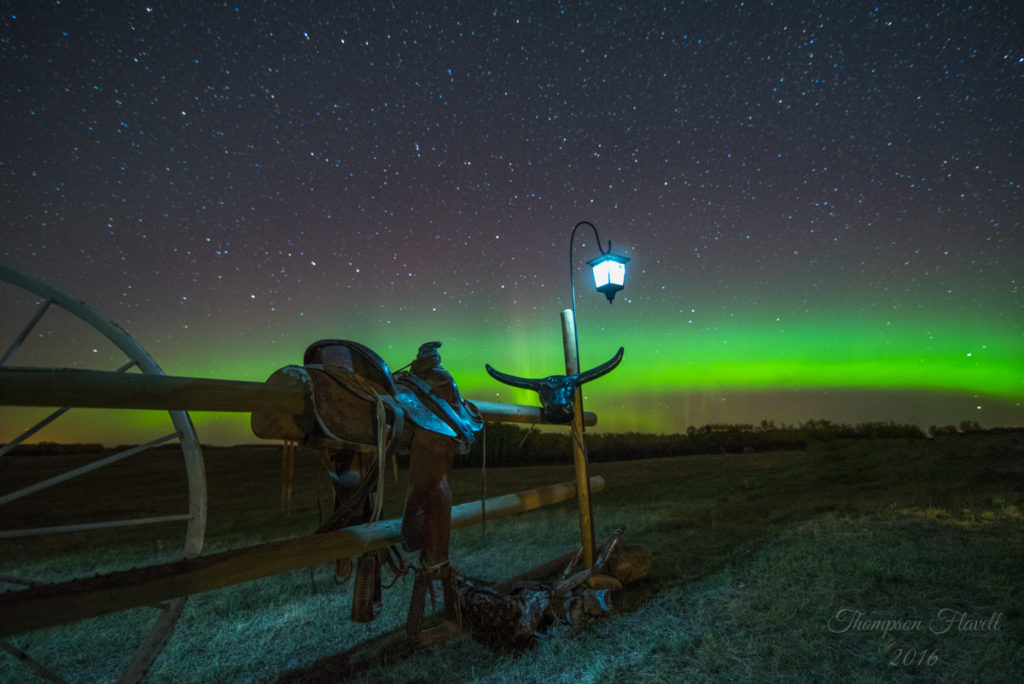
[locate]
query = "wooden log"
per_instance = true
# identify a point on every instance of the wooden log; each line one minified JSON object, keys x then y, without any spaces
{"x":53,"y":604}
{"x":517,"y":413}
{"x":109,"y":389}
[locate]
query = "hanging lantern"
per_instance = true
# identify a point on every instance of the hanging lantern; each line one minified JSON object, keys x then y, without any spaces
{"x":609,"y":273}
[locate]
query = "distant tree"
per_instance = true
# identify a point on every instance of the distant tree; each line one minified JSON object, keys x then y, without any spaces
{"x":936,"y":430}
{"x":969,"y":426}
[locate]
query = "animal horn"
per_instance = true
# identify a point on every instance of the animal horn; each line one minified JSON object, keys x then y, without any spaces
{"x":598,"y":371}
{"x":515,"y":381}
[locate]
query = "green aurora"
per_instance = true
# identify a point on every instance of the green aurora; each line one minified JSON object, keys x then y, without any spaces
{"x":731,"y":370}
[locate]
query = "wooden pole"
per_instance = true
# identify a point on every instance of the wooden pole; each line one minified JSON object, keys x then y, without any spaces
{"x":54,"y":604}
{"x":517,"y":413}
{"x":579,"y":453}
{"x":109,"y":389}
{"x":287,"y":474}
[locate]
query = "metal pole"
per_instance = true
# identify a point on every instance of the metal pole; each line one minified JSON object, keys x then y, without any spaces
{"x":579,"y":449}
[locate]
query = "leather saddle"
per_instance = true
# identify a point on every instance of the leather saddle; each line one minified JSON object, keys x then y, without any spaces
{"x":353,"y":401}
{"x":346,"y":381}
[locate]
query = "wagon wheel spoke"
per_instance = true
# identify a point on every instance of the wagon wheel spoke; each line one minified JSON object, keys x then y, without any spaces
{"x":82,"y":470}
{"x":30,"y":662}
{"x":45,"y":538}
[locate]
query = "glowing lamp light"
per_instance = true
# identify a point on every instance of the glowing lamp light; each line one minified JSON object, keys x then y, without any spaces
{"x":609,"y":273}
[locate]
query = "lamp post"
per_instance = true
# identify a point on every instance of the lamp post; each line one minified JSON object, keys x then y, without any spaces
{"x":609,"y":276}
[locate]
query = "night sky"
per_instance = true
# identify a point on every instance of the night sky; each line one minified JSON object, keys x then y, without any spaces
{"x":820,"y":200}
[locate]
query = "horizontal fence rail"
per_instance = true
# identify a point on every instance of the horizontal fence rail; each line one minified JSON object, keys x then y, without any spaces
{"x":48,"y":605}
{"x":109,"y":389}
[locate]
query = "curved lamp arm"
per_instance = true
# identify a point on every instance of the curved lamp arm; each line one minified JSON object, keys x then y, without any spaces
{"x":572,"y":271}
{"x":572,"y":274}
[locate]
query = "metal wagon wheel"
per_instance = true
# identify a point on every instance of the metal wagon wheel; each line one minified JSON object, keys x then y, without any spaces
{"x":154,"y":634}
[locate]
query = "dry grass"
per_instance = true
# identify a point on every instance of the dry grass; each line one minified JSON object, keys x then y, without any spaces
{"x":756,"y":559}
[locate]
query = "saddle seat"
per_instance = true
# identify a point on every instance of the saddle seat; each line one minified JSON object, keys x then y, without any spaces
{"x":345,"y":380}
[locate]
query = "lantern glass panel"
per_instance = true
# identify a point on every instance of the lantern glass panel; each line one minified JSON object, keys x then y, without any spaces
{"x":609,"y":272}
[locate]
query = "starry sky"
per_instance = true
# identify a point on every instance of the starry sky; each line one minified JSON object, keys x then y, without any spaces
{"x":820,"y":200}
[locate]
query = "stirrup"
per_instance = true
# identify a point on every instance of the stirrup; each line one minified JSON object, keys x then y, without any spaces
{"x":366,"y":592}
{"x":452,"y":623}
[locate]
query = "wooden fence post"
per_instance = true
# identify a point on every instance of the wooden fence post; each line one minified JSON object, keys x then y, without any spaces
{"x":287,"y":474}
{"x":579,"y":452}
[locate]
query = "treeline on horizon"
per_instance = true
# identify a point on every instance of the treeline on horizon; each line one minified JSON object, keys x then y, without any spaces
{"x":510,"y":444}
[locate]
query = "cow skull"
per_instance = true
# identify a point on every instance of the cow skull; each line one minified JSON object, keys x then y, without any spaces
{"x":557,"y":392}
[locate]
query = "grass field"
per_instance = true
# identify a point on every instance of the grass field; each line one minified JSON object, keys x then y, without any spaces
{"x":889,"y":560}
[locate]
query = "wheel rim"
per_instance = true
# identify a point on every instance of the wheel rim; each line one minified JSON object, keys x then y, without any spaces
{"x":183,"y":430}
